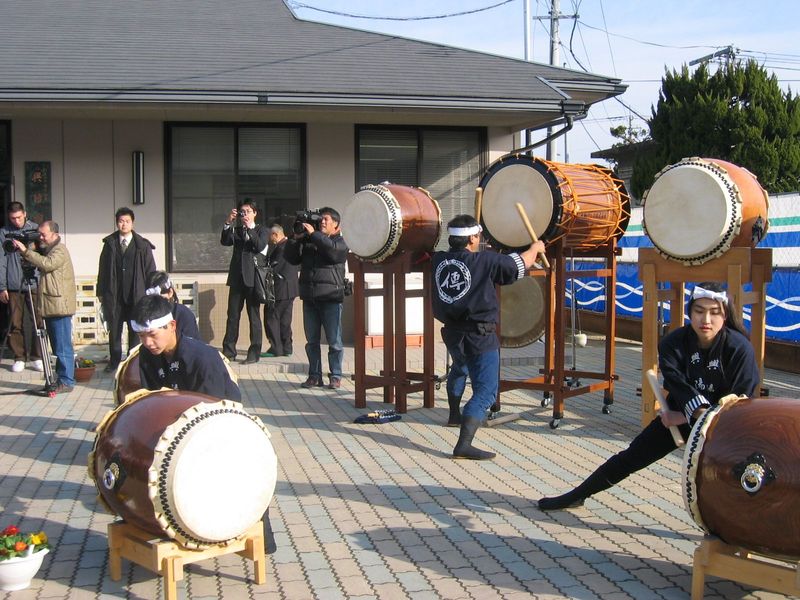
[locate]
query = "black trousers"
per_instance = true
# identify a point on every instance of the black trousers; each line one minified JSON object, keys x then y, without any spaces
{"x":238,"y":297}
{"x":653,"y":443}
{"x":121,"y":314}
{"x":278,"y":326}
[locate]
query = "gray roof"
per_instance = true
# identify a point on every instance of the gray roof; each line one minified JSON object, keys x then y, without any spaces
{"x":255,"y":51}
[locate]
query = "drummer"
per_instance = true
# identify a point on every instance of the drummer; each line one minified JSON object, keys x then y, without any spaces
{"x":169,"y":359}
{"x":466,"y":303}
{"x":701,"y":362}
{"x":158,"y":282}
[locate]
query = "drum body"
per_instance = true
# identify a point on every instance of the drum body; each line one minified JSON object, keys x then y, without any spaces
{"x":698,"y":208}
{"x":382,"y":221}
{"x":742,"y":475}
{"x":184,"y":465}
{"x":523,"y":306}
{"x":585,"y":206}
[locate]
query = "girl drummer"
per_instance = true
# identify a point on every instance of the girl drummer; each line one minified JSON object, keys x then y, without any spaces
{"x":158,"y":282}
{"x":701,"y":362}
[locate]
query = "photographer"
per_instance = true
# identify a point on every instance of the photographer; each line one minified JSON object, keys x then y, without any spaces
{"x":321,"y":253}
{"x":14,"y":287}
{"x":247,"y":239}
{"x":55,"y":300}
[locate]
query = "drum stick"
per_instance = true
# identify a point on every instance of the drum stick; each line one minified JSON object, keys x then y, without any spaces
{"x":656,"y":387}
{"x":531,"y":232}
{"x":478,"y":202}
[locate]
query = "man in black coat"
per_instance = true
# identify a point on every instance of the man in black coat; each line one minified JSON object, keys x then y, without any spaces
{"x":278,"y":318}
{"x":125,"y":262}
{"x":248,"y":240}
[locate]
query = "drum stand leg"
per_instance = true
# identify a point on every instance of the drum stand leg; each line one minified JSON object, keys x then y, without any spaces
{"x":167,"y":557}
{"x":715,"y":557}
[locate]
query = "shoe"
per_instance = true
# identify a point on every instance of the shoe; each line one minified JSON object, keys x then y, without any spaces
{"x":464,"y":447}
{"x":110,"y":368}
{"x":37,"y":365}
{"x":286,"y":354}
{"x":62,"y":388}
{"x":268,"y":355}
{"x":335,"y":383}
{"x":312,"y":382}
{"x":230,"y":357}
{"x":250,"y":360}
{"x":18,"y":366}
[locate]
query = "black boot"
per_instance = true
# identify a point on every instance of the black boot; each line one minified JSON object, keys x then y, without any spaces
{"x":464,"y":447}
{"x":602,"y":479}
{"x":455,"y":411}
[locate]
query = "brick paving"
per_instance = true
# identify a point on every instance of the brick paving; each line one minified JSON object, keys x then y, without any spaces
{"x":382,"y":511}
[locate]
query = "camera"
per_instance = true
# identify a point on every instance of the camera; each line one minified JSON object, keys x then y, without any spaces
{"x":26,"y":236}
{"x":312,"y":217}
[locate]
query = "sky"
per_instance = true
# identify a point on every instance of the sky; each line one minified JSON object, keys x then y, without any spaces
{"x":634,"y":40}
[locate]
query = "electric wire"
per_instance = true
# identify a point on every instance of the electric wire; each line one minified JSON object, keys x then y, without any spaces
{"x":375,"y":18}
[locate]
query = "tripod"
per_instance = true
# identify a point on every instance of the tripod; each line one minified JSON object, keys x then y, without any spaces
{"x":41,"y":337}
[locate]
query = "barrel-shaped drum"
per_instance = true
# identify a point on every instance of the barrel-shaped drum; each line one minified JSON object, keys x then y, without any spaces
{"x":523,"y":315}
{"x":383,"y":221}
{"x":741,"y":471}
{"x":585,"y":206}
{"x":699,"y":208}
{"x":183,"y":465}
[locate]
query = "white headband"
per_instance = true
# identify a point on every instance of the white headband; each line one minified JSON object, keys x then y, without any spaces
{"x":700,"y":292}
{"x":156,"y":289}
{"x":151,"y":325}
{"x":464,"y":231}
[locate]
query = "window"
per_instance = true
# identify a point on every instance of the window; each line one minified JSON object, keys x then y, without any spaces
{"x":211,"y":168}
{"x":5,"y":168}
{"x":447,"y":162}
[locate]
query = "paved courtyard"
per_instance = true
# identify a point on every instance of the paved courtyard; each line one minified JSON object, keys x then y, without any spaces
{"x":382,"y":511}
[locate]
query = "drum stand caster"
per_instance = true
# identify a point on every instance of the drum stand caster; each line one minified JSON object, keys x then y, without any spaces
{"x":554,"y":423}
{"x":607,"y":402}
{"x":547,"y":398}
{"x":491,"y":414}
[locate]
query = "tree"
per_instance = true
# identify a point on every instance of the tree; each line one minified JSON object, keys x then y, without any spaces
{"x":738,"y":114}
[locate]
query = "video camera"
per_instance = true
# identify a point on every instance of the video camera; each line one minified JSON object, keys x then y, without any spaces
{"x":26,"y":236}
{"x":312,"y":217}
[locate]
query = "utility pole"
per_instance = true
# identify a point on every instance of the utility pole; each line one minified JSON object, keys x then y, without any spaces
{"x":729,"y":52}
{"x":554,"y":57}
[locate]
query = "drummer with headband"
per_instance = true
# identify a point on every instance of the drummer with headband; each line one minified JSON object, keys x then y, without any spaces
{"x":465,"y":301}
{"x":169,"y":359}
{"x":701,"y":362}
{"x":158,"y":282}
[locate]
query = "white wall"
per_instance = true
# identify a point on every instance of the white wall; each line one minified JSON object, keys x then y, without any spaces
{"x":91,"y":177}
{"x":331,"y":164}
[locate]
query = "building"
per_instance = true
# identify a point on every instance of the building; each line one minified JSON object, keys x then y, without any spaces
{"x":179,"y":108}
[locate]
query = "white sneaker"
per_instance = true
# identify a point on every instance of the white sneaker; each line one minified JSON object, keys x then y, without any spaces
{"x":37,"y":365}
{"x":18,"y":366}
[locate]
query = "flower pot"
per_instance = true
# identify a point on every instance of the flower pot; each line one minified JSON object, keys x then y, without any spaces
{"x":84,"y":373}
{"x":16,"y":573}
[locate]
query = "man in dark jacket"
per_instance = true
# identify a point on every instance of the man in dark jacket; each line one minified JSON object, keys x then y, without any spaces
{"x":248,"y":240}
{"x":321,"y":256}
{"x":278,"y":318}
{"x":14,"y":292}
{"x":125,"y":262}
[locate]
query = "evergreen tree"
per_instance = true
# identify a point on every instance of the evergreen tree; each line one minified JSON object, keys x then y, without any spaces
{"x":738,"y":114}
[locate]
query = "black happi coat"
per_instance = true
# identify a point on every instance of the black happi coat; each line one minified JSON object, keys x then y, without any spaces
{"x":695,"y":377}
{"x":465,"y":300}
{"x":195,"y":367}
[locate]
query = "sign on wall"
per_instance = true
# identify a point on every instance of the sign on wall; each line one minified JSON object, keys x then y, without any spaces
{"x":38,"y":201}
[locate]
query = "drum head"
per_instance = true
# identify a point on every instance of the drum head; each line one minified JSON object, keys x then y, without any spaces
{"x":522,"y":312}
{"x":524,"y":180}
{"x":217,"y":470}
{"x":691,"y":211}
{"x":370,"y":222}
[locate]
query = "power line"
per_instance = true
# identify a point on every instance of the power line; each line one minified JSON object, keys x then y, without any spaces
{"x":374,"y":18}
{"x":643,"y":41}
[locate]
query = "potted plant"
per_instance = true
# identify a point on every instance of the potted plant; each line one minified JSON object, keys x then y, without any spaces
{"x":84,"y":369}
{"x":21,"y":555}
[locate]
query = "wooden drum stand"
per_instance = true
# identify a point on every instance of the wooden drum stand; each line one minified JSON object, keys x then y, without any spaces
{"x":736,"y":267}
{"x":555,"y":377}
{"x":395,"y":379}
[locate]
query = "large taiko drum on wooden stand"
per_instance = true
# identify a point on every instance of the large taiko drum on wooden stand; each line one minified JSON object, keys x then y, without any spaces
{"x":382,"y":221}
{"x":183,"y":465}
{"x":585,"y":205}
{"x":128,"y":380}
{"x":523,"y":312}
{"x":698,"y":208}
{"x":741,"y":471}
